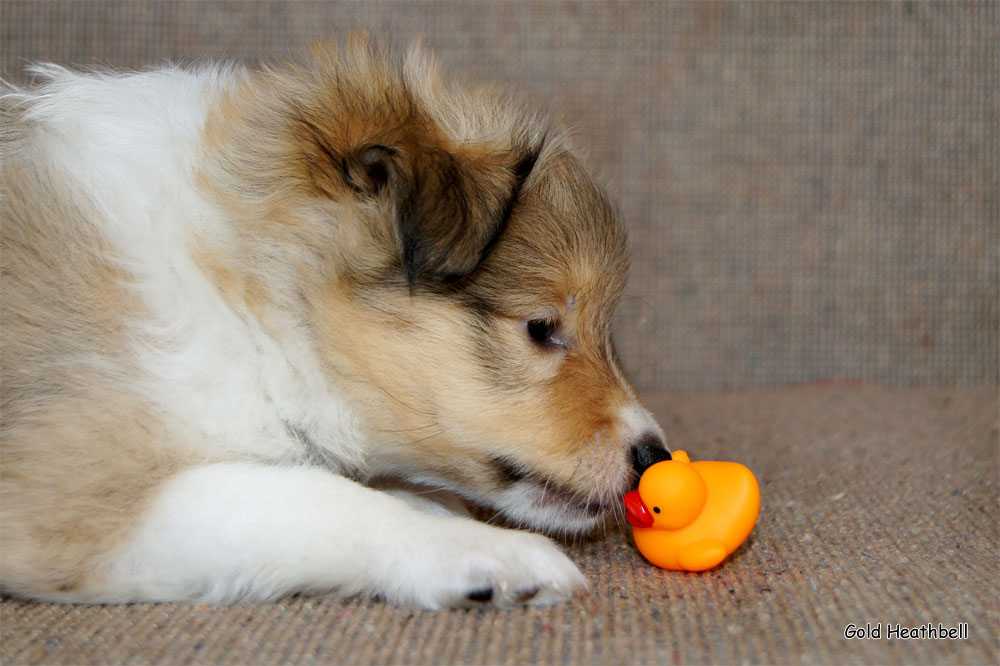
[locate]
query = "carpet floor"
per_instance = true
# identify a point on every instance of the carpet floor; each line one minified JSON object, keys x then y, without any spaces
{"x":879,"y":511}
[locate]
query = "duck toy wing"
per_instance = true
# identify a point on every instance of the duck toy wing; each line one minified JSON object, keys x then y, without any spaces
{"x":690,"y":516}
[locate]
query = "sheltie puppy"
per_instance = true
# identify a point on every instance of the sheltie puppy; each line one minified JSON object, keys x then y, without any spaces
{"x":238,"y":304}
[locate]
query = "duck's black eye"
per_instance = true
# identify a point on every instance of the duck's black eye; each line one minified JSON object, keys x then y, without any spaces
{"x":541,"y":330}
{"x":656,"y":509}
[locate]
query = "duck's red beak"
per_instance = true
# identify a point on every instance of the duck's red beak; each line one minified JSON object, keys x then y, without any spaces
{"x":636,"y":512}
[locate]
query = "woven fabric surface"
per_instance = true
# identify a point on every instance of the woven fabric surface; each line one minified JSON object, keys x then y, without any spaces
{"x":812,"y":188}
{"x":878,"y":506}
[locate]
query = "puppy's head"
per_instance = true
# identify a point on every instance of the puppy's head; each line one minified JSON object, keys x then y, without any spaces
{"x":458,"y":270}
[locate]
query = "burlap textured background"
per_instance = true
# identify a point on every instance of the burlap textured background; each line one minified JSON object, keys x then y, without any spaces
{"x":812,"y":187}
{"x":812,"y":190}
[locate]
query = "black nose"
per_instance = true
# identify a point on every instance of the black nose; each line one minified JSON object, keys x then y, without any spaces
{"x":649,"y":450}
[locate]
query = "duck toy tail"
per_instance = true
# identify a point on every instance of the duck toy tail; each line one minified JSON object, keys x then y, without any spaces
{"x":690,"y":516}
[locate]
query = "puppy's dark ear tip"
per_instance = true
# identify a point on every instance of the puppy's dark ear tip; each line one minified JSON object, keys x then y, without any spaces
{"x":376,"y":154}
{"x":526,"y":164}
{"x":375,"y":162}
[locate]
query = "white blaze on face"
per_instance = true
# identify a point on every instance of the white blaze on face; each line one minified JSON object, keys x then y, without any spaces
{"x":637,"y":421}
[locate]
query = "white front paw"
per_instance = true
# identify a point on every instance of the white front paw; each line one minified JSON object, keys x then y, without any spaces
{"x":468,"y":563}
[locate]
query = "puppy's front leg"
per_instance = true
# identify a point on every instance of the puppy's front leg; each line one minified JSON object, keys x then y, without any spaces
{"x":240,"y":530}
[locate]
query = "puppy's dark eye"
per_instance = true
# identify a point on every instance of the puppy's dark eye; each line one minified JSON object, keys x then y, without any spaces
{"x":541,"y":330}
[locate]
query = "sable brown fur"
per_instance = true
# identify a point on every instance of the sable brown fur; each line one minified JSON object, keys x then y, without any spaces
{"x":79,"y":457}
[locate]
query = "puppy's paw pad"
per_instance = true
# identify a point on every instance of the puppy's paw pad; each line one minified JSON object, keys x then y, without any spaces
{"x":464,"y":563}
{"x":482,"y":595}
{"x":521,"y":568}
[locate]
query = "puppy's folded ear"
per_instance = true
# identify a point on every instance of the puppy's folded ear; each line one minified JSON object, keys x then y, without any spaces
{"x":449,"y":206}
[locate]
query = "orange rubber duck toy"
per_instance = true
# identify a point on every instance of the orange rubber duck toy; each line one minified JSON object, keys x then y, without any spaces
{"x":689,"y":516}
